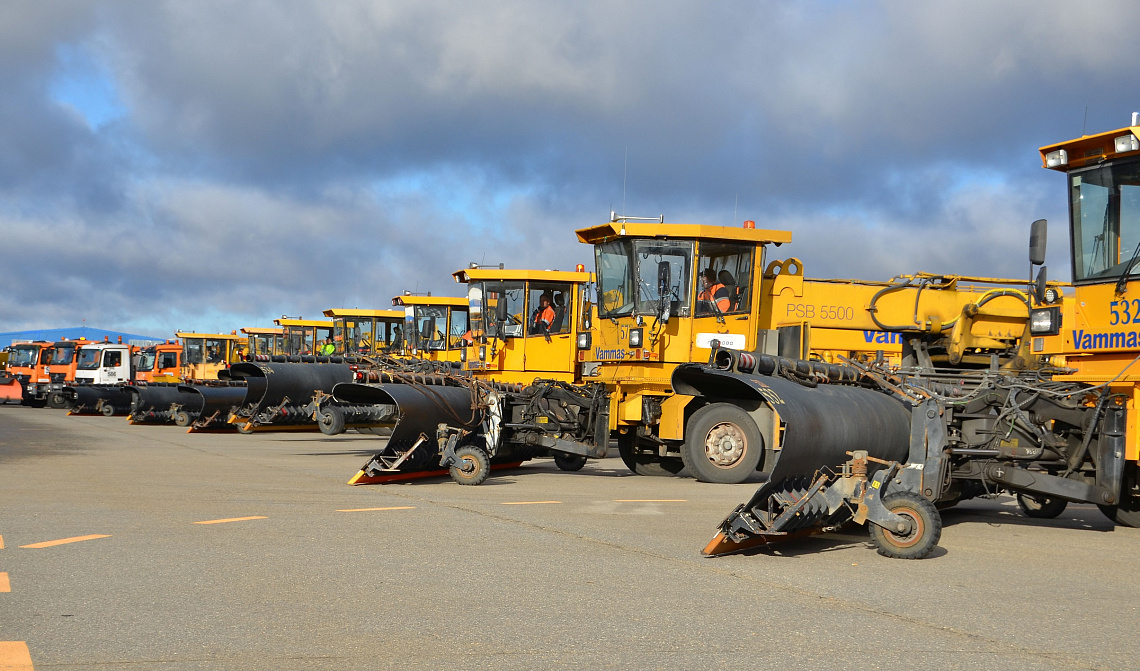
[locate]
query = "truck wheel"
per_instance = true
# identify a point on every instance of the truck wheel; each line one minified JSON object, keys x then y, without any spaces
{"x":1126,"y":514}
{"x":1040,"y":507}
{"x":722,"y":444}
{"x":644,"y":464}
{"x":569,"y":462}
{"x":923,"y":537}
{"x":473,"y":467}
{"x":331,"y":421}
{"x":181,"y":418}
{"x":108,"y":410}
{"x":57,"y":400}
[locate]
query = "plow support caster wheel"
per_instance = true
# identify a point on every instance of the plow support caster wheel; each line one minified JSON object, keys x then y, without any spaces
{"x":245,"y":428}
{"x":926,"y":527}
{"x":471,"y":466}
{"x":108,"y":410}
{"x":331,"y":421}
{"x":181,"y":418}
{"x":569,"y":462}
{"x":1040,"y":507}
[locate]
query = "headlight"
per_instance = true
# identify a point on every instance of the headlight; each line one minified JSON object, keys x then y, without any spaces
{"x":635,"y":337}
{"x":584,"y":340}
{"x":482,"y":352}
{"x":1127,"y":143}
{"x":463,"y":354}
{"x":1051,"y":295}
{"x":1056,"y":158}
{"x":1045,"y":321}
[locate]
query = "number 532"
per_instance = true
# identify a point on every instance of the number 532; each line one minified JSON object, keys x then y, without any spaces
{"x":1124,"y":312}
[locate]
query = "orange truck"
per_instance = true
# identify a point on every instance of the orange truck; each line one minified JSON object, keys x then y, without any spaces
{"x":30,"y":364}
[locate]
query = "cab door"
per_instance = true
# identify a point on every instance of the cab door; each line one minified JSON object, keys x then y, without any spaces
{"x":549,"y":345}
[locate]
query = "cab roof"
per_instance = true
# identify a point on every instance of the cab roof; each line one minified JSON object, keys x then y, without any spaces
{"x":618,"y":229}
{"x":256,"y":330}
{"x":323,"y":323}
{"x":492,"y":274}
{"x":356,"y":312}
{"x":212,"y":336}
{"x":1089,"y":149}
{"x":448,"y":301}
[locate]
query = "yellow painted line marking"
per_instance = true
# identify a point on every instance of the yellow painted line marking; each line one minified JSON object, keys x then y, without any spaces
{"x":650,"y":500}
{"x":5,"y":586}
{"x":1,"y":542}
{"x":64,"y":541}
{"x":14,"y":656}
{"x":527,"y":503}
{"x":233,"y":519}
{"x":364,"y":510}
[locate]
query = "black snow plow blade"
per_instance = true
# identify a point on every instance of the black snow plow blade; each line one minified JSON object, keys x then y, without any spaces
{"x":154,"y":402}
{"x":207,"y":405}
{"x":285,"y":394}
{"x":95,"y":399}
{"x":826,"y":416}
{"x":415,"y":410}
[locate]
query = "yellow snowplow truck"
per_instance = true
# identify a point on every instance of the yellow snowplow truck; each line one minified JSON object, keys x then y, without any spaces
{"x":433,"y":326}
{"x":669,"y":294}
{"x":524,"y":323}
{"x":893,"y":446}
{"x":366,"y":333}
{"x":651,"y":317}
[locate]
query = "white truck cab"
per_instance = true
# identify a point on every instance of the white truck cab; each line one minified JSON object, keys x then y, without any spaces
{"x":104,"y":363}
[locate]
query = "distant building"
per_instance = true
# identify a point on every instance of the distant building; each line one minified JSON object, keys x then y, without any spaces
{"x":75,"y":333}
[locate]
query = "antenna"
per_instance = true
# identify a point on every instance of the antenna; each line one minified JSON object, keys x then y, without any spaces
{"x":735,"y":208}
{"x":624,"y":178}
{"x":1085,"y":125}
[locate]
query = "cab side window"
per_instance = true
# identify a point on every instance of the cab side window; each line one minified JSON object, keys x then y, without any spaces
{"x":549,"y":308}
{"x":112,"y":358}
{"x":724,"y":274}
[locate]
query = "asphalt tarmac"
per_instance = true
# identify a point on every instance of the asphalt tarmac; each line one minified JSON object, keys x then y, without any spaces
{"x":227,"y":551}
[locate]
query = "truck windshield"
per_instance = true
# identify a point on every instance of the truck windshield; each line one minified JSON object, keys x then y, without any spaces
{"x":1105,"y":210}
{"x":23,"y":356}
{"x":642,"y":276}
{"x":89,"y":358}
{"x":431,"y":327}
{"x":62,"y":355}
{"x":146,"y":360}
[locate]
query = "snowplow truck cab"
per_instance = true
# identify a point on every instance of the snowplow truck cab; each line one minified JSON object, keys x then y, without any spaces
{"x":30,"y":364}
{"x":305,"y":337}
{"x":433,"y":327}
{"x":669,"y":294}
{"x":263,"y":343}
{"x":206,"y":355}
{"x":524,"y":324}
{"x":365,"y":333}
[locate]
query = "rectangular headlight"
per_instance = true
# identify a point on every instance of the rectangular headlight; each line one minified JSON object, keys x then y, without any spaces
{"x":1056,"y":158}
{"x":1127,"y":143}
{"x":584,"y":340}
{"x":1045,"y":321}
{"x":482,"y":352}
{"x":463,"y":354}
{"x":635,"y":336}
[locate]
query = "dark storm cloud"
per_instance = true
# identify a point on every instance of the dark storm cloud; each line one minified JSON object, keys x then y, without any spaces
{"x":285,"y":157}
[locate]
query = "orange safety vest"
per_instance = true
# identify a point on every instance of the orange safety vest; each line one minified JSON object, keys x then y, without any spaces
{"x":544,"y":315}
{"x":717,"y":294}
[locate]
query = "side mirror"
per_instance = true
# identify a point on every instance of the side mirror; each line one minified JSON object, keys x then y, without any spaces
{"x":1037,"y":235}
{"x":1039,"y":286}
{"x":428,"y":332}
{"x":501,"y":308}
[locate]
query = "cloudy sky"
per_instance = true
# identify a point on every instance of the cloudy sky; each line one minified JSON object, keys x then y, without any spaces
{"x":209,"y":165}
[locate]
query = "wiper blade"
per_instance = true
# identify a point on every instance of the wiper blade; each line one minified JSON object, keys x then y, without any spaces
{"x":1122,"y":282}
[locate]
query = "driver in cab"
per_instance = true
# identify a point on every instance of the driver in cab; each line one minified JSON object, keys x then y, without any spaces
{"x":543,"y":315}
{"x":714,"y":297}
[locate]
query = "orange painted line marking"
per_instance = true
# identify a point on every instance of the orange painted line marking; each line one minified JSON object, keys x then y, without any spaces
{"x":1,"y":542}
{"x":14,"y":656}
{"x":364,"y":510}
{"x":5,"y":586}
{"x":650,"y":500}
{"x":64,"y":541}
{"x":527,"y":503}
{"x":233,"y":519}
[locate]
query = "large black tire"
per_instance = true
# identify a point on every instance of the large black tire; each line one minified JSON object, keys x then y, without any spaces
{"x":57,"y":400}
{"x":1040,"y":507}
{"x":644,"y":464}
{"x":37,"y":402}
{"x":331,"y":420}
{"x":1126,"y":514}
{"x":922,"y":539}
{"x":181,"y":418}
{"x":569,"y":462}
{"x":473,"y":467}
{"x":722,"y":444}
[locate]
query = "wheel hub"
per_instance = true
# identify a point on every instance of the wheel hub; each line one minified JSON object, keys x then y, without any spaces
{"x":725,"y":445}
